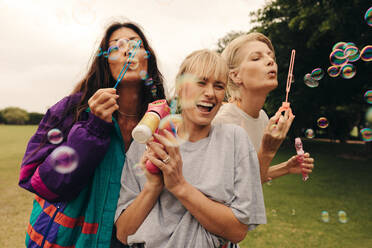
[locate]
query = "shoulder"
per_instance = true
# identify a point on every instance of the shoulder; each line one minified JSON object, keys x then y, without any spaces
{"x":230,"y":130}
{"x":66,"y":102}
{"x":226,"y":114}
{"x":263,"y":116}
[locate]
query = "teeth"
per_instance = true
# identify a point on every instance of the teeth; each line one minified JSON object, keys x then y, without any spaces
{"x":204,"y":104}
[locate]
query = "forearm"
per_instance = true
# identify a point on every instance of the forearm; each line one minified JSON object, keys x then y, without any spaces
{"x":213,"y":216}
{"x":89,"y":139}
{"x":278,"y":170}
{"x":264,"y":159}
{"x":132,"y":218}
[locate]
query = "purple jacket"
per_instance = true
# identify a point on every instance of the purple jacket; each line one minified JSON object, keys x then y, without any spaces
{"x":89,"y":137}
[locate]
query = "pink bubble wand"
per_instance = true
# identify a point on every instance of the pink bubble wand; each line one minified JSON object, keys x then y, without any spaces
{"x":300,"y":157}
{"x":286,"y":105}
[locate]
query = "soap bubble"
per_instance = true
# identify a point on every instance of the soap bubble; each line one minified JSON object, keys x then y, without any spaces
{"x":55,"y":136}
{"x":293,"y":212}
{"x":310,"y":81}
{"x":173,"y":123}
{"x":339,"y":45}
{"x":366,"y":134}
{"x":143,"y":74}
{"x":83,"y":14}
{"x":342,"y":218}
{"x":133,"y":63}
{"x":138,"y":170}
{"x":149,"y":81}
{"x":187,"y":98}
{"x":322,"y":122}
{"x":324,"y":216}
{"x":273,"y":211}
{"x":154,"y":90}
{"x":113,"y":53}
{"x":368,"y":96}
{"x":147,"y":55}
{"x":369,"y":115}
{"x":368,"y":16}
{"x":334,"y":71}
{"x":64,"y":159}
{"x":309,"y":133}
{"x":317,"y":74}
{"x":366,"y":53}
{"x":338,"y":58}
{"x":348,"y":71}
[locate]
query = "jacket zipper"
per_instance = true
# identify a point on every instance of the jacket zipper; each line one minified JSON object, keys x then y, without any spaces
{"x":49,"y":225}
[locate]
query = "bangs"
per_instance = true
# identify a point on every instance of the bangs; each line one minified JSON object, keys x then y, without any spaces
{"x":205,"y":64}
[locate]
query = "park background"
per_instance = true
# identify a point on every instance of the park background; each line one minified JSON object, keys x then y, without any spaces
{"x":42,"y":62}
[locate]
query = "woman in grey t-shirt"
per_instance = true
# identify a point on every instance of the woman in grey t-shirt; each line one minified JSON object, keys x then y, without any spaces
{"x":209,"y":190}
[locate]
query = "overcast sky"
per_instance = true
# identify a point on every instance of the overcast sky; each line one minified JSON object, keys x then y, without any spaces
{"x":45,"y":46}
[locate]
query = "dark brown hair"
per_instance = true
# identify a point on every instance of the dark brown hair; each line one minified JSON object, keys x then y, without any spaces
{"x":99,"y":74}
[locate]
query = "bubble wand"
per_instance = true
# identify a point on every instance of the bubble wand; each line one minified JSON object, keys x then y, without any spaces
{"x":300,"y":157}
{"x":127,"y":63}
{"x":286,"y":105}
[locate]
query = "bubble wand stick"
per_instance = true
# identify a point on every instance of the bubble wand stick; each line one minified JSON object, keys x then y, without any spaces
{"x":286,"y":105}
{"x":127,"y":63}
{"x":300,"y":157}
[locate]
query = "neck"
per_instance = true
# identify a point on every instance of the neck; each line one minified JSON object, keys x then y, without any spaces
{"x":129,"y":100}
{"x":251,"y":102}
{"x":194,"y":132}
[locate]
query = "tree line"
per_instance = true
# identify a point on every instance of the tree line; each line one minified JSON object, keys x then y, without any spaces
{"x":18,"y":116}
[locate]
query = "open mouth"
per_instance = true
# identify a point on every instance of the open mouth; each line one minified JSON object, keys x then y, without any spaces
{"x":205,"y":107}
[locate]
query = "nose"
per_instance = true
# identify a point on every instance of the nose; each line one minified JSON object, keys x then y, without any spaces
{"x":270,"y":61}
{"x":208,"y":90}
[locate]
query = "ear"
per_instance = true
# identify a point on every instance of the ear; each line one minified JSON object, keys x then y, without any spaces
{"x":234,"y":75}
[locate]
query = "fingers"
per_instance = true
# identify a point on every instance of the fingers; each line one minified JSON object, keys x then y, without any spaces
{"x":170,"y":143}
{"x":103,"y":103}
{"x":157,"y":162}
{"x":158,"y":149}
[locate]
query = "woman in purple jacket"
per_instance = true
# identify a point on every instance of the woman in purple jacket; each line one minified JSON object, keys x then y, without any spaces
{"x":76,"y":208}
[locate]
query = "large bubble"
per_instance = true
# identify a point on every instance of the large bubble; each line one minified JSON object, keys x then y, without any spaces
{"x":186,"y":98}
{"x":64,"y":159}
{"x":113,"y":53}
{"x":55,"y":136}
{"x":310,"y":81}
{"x":173,"y":123}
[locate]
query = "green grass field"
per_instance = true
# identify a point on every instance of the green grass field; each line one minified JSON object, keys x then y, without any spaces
{"x":293,"y":207}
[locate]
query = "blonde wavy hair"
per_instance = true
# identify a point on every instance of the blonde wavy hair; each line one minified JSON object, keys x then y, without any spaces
{"x":232,"y":54}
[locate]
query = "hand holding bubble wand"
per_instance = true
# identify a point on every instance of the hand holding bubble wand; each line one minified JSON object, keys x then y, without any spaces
{"x":286,"y":105}
{"x":127,"y":63}
{"x":300,"y":156}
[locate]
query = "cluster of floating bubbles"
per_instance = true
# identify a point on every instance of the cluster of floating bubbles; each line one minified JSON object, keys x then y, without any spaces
{"x":64,"y":159}
{"x":342,"y":216}
{"x":341,"y":58}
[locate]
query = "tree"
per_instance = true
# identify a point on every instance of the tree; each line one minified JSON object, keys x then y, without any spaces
{"x":14,"y":115}
{"x":34,"y":118}
{"x":312,"y":28}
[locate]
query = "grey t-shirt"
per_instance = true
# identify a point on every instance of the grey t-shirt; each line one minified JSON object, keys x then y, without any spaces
{"x":223,"y":166}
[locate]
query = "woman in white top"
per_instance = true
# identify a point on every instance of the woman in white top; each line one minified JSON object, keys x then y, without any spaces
{"x":209,"y":190}
{"x":252,"y":75}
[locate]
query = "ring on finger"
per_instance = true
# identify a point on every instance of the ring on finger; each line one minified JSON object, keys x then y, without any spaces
{"x":166,"y":160}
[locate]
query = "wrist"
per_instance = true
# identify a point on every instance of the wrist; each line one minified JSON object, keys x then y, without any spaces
{"x":153,"y":187}
{"x":179,"y":191}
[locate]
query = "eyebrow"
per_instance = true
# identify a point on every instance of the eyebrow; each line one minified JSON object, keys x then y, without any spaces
{"x":131,"y":38}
